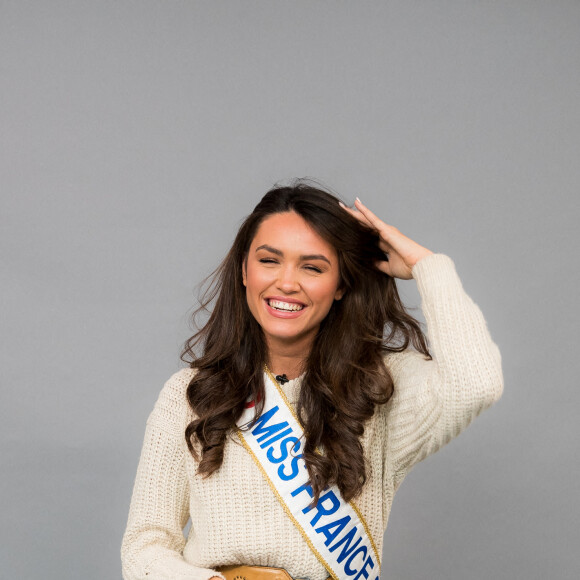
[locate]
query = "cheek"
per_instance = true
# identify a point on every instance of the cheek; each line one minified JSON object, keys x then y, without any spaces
{"x":325,"y":293}
{"x":255,"y":281}
{"x":252,"y":292}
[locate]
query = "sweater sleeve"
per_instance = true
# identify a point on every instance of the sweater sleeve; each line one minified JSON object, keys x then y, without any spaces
{"x":436,"y":399}
{"x":153,"y":541}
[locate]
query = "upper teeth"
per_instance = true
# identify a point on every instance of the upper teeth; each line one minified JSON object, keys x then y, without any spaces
{"x":285,"y":305}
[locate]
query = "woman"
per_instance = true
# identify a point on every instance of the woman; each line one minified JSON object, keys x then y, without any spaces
{"x":305,"y":406}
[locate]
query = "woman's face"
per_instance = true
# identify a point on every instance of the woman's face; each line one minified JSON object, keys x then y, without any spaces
{"x":292,"y":278}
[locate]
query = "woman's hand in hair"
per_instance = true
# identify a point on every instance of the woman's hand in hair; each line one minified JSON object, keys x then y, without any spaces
{"x":402,"y":252}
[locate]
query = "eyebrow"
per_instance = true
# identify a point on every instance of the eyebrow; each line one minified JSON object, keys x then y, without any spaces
{"x":302,"y":258}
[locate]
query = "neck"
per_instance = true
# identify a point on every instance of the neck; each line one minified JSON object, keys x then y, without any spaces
{"x":287,"y":359}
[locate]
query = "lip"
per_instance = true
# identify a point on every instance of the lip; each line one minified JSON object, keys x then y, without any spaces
{"x":281,"y":313}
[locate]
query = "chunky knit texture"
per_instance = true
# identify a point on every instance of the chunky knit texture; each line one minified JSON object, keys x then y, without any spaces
{"x":236,"y":519}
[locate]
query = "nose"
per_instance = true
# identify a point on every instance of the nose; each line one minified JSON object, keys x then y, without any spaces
{"x":288,"y":280}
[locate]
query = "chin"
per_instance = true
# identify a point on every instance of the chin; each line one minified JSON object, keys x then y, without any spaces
{"x":288,"y":337}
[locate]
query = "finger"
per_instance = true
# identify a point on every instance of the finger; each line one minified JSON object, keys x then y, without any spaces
{"x":383,"y":244}
{"x":375,"y":221}
{"x":357,"y":214}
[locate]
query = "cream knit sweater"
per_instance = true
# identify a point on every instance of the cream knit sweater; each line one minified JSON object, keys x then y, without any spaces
{"x":236,"y":519}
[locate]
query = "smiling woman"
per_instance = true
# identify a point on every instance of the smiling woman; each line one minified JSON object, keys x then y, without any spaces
{"x":297,"y":477}
{"x":292,"y":278}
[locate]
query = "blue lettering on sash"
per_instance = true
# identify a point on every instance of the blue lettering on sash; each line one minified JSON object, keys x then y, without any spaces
{"x":351,"y":552}
{"x":283,"y":450}
{"x":294,"y":467}
{"x":363,"y":570}
{"x":346,"y":539}
{"x":326,"y":530}
{"x":276,"y":438}
{"x":349,"y":549}
{"x":303,"y":487}
{"x":264,"y":431}
{"x":321,"y":510}
{"x":347,"y":567}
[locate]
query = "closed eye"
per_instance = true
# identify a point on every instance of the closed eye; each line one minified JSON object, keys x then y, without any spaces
{"x":268,"y":260}
{"x":314,"y":269}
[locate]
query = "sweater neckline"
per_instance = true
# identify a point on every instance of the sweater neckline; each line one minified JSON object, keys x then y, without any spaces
{"x":286,"y":383}
{"x":292,"y":382}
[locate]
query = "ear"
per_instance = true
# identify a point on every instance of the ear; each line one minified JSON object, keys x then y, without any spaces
{"x":339,"y":293}
{"x":244,"y":275}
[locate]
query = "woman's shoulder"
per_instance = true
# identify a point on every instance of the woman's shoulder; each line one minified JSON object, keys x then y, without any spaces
{"x":172,"y":408}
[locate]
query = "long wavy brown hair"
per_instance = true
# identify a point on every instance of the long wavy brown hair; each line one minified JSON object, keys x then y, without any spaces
{"x":345,"y":376}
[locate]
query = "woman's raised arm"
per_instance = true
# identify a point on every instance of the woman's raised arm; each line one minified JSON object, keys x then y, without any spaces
{"x":434,"y":400}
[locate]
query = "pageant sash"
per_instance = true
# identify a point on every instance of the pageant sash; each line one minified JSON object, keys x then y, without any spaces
{"x":334,"y":529}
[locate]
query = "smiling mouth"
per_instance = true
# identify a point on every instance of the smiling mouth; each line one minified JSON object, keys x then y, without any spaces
{"x":285,"y":306}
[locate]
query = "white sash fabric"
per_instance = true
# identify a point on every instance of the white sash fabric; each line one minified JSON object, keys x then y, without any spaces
{"x":334,"y":529}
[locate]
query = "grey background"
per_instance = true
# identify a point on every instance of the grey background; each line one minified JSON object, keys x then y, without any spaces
{"x":135,"y":136}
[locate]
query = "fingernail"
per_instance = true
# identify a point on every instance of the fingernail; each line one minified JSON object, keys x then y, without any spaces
{"x":358,"y":199}
{"x":341,"y":204}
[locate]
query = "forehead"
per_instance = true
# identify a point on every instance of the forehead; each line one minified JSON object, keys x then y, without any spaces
{"x":291,"y":233}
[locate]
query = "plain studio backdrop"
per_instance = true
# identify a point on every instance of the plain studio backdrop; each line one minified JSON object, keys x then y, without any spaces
{"x":137,"y":135}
